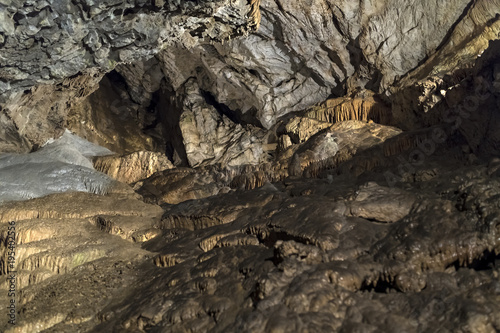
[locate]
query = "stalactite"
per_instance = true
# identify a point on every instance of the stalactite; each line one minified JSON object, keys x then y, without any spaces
{"x":255,"y":14}
{"x":258,"y":178}
{"x":343,"y":109}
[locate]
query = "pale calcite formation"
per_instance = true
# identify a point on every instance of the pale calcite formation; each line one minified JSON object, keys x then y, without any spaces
{"x":366,"y":108}
{"x":132,"y":167}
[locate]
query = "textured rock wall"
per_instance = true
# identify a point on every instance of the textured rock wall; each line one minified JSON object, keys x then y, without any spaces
{"x":47,"y":41}
{"x":40,"y":113}
{"x":303,"y":53}
{"x":306,"y":51}
{"x":467,"y":39}
{"x":111,"y":118}
{"x":44,"y":44}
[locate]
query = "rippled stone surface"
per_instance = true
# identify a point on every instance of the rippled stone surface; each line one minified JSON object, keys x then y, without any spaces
{"x":336,"y":170}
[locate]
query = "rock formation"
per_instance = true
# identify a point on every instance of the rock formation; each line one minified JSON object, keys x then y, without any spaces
{"x":132,"y":167}
{"x":250,"y":166}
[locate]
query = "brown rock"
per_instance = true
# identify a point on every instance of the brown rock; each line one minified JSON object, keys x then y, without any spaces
{"x":132,"y":167}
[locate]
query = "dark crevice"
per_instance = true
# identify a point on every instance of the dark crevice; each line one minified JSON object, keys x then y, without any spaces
{"x":169,"y":111}
{"x":152,"y":108}
{"x":374,"y":83}
{"x":155,"y":97}
{"x":254,"y":296}
{"x":374,"y":220}
{"x":170,"y":150}
{"x":280,"y":6}
{"x":17,"y":18}
{"x":131,"y":11}
{"x":254,"y":73}
{"x":336,"y":23}
{"x":355,"y":53}
{"x":221,"y":108}
{"x":359,"y":61}
{"x":117,"y":80}
{"x":88,"y":48}
{"x":74,"y":76}
{"x":198,"y":32}
{"x":381,"y":45}
{"x":33,"y":13}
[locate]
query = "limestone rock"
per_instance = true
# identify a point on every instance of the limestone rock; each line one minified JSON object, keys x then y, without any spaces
{"x":340,"y":143}
{"x":381,"y":204}
{"x":110,"y":118}
{"x":73,"y":45}
{"x":301,"y":253}
{"x":415,"y":106}
{"x":54,"y":239}
{"x":61,"y":165}
{"x":333,"y":270}
{"x":466,"y":103}
{"x":212,"y":137}
{"x":467,"y":40}
{"x":364,"y":108}
{"x":143,"y":79}
{"x":37,"y":114}
{"x":339,"y":47}
{"x":55,"y":41}
{"x":181,"y":184}
{"x":300,"y":129}
{"x":292,"y":203}
{"x":132,"y":167}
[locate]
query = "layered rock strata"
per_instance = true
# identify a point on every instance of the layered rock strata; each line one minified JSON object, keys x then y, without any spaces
{"x":336,"y":170}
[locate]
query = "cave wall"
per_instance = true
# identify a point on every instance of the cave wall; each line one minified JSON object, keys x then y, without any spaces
{"x":48,"y":47}
{"x":47,"y":41}
{"x":53,"y":57}
{"x":307,"y":51}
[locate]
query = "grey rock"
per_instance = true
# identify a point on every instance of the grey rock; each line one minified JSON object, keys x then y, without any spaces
{"x":209,"y":136}
{"x":60,"y":166}
{"x":67,"y":38}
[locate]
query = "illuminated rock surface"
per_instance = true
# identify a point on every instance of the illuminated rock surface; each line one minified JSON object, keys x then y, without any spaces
{"x":336,"y":170}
